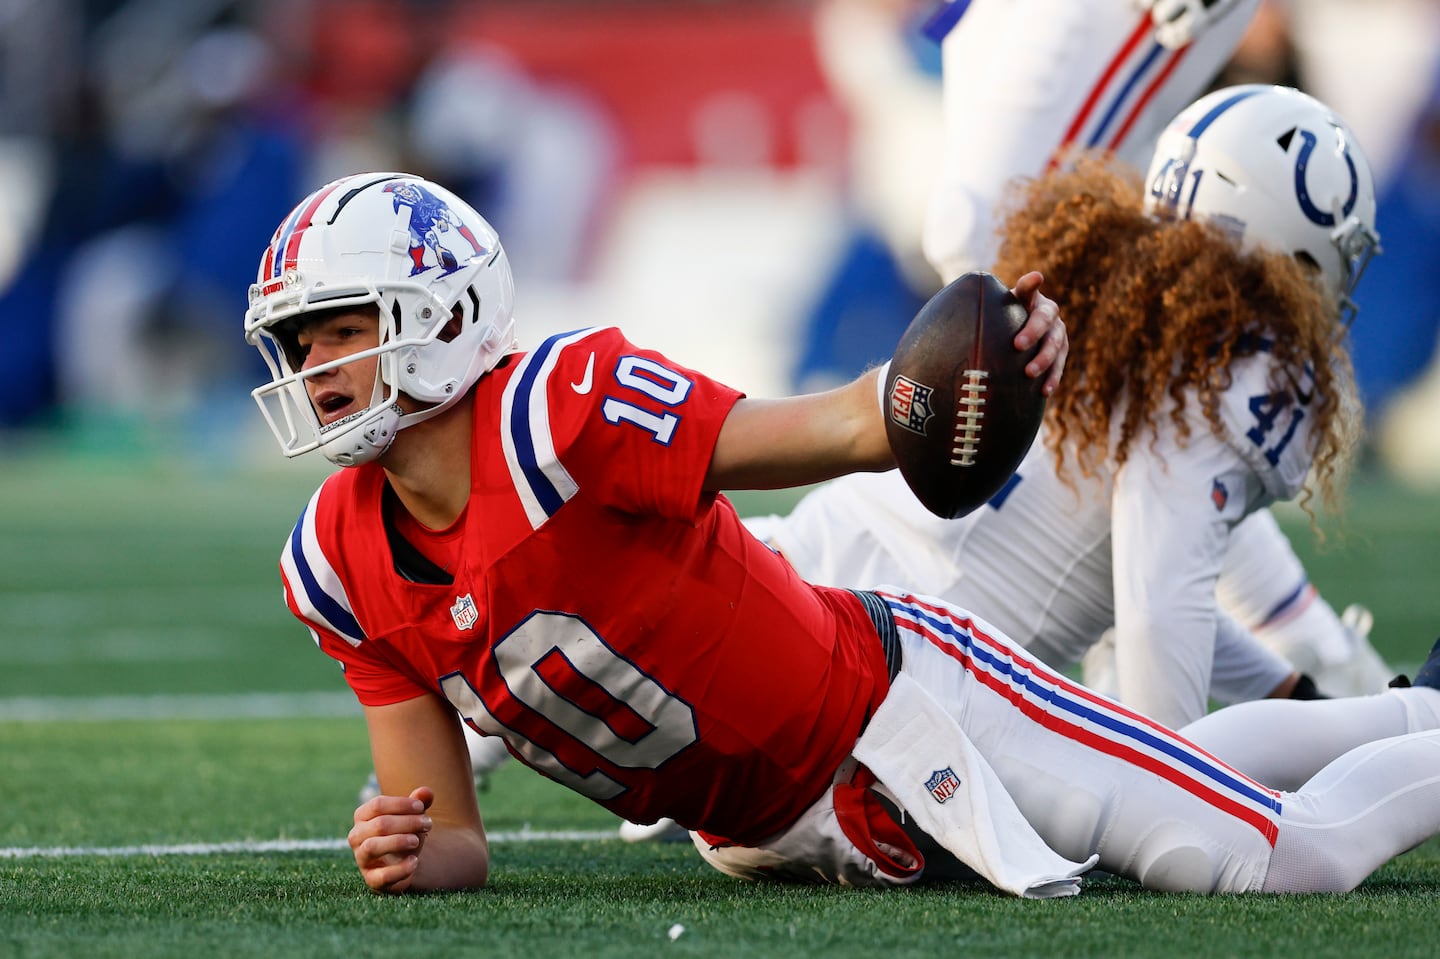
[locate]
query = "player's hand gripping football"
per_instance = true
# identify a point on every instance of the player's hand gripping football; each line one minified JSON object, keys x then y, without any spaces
{"x":1043,"y":326}
{"x":387,"y":837}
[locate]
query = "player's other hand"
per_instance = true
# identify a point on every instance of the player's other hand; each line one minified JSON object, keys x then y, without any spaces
{"x":1178,"y":22}
{"x":1043,"y":326}
{"x":387,"y":837}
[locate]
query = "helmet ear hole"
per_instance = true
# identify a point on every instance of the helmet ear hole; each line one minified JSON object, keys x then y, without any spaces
{"x":454,"y":327}
{"x":1309,"y":262}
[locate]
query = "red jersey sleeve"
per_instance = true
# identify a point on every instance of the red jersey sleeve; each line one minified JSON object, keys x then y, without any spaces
{"x":633,"y":428}
{"x":311,"y":572}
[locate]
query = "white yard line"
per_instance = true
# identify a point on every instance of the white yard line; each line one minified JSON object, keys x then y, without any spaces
{"x":220,"y":706}
{"x":181,"y":706}
{"x":269,"y":845}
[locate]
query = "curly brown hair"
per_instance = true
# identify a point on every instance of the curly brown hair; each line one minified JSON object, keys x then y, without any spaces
{"x":1154,"y":307}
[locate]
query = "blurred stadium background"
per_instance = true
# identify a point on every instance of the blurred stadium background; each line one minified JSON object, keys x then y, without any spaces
{"x":739,"y":182}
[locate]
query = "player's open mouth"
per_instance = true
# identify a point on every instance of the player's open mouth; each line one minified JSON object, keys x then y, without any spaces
{"x":331,"y":406}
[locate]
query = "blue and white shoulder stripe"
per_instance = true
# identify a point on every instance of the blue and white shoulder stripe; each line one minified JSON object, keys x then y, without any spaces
{"x":540,"y":479}
{"x":314,"y":584}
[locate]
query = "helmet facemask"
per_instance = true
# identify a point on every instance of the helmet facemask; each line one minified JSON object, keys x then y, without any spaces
{"x":1357,"y":244}
{"x":291,"y":413}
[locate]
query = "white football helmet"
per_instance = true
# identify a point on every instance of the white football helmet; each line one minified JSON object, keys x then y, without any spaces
{"x":1276,"y":168}
{"x":421,"y":255}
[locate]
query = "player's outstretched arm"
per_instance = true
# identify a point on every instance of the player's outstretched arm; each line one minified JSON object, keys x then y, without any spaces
{"x":798,"y":440}
{"x":423,"y":831}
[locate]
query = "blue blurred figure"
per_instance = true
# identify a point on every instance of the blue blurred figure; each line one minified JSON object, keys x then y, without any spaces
{"x":1395,"y":336}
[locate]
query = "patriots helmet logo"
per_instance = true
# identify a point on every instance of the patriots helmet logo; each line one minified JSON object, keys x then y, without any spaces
{"x":431,"y":218}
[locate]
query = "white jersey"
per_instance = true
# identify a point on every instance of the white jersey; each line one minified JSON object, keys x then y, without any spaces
{"x":1139,"y":548}
{"x":1026,"y":80}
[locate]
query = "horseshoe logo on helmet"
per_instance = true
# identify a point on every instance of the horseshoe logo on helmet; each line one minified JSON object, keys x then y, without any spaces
{"x":1302,"y":193}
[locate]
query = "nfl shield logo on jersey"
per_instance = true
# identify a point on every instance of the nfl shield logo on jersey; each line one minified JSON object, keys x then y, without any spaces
{"x":1219,"y":495}
{"x":943,"y":783}
{"x":464,"y":612}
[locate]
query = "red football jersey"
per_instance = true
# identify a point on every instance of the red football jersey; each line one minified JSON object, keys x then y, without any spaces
{"x":616,"y":624}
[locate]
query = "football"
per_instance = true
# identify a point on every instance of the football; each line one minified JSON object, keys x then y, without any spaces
{"x":960,"y":413}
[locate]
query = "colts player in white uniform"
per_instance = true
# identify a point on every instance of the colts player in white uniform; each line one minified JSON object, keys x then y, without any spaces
{"x":1060,"y":555}
{"x":1027,"y":80}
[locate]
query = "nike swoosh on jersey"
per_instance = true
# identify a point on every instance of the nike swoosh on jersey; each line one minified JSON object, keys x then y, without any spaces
{"x":588,"y":379}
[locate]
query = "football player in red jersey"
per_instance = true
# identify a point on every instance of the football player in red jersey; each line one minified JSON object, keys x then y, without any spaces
{"x":536,"y":543}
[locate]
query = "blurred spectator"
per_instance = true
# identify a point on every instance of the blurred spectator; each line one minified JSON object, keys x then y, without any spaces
{"x":537,"y":160}
{"x":39,"y":40}
{"x":1266,"y":53}
{"x":1403,"y":308}
{"x":155,"y":154}
{"x":148,"y":305}
{"x":187,"y":130}
{"x":359,"y":59}
{"x":887,"y":75}
{"x":1395,"y":332}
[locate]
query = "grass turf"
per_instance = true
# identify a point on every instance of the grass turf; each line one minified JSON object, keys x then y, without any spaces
{"x":148,"y":579}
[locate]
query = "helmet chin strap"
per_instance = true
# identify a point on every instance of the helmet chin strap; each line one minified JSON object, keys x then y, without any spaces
{"x":365,"y":442}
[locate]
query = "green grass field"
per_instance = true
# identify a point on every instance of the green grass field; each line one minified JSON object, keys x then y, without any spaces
{"x":178,"y":767}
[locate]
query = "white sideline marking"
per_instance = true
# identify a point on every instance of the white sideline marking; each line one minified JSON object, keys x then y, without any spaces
{"x":269,"y":845}
{"x":181,"y":706}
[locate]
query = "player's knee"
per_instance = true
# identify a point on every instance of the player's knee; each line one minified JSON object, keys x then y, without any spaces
{"x":1179,"y":869}
{"x":1178,"y":857}
{"x":1309,"y":860}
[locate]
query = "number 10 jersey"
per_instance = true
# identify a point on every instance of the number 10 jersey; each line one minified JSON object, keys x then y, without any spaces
{"x":614,"y":622}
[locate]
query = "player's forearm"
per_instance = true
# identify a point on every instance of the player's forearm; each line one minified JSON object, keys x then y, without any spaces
{"x":771,"y":444}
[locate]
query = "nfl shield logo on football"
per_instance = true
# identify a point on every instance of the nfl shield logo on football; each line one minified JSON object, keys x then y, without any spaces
{"x":943,"y":783}
{"x":910,"y":404}
{"x":464,"y":612}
